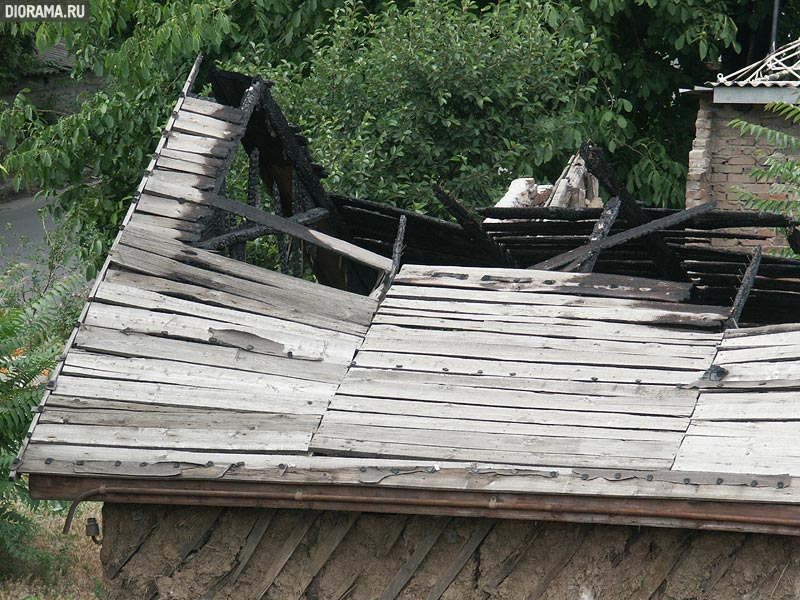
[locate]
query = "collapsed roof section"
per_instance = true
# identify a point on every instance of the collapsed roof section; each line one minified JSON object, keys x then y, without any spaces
{"x":523,"y":393}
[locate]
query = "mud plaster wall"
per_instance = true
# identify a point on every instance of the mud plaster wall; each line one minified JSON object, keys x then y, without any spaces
{"x":191,"y":553}
{"x":722,"y":159}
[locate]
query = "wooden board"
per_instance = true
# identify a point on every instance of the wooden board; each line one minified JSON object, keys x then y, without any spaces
{"x":197,"y":144}
{"x":203,"y":106}
{"x":129,"y":344}
{"x":513,"y":412}
{"x":195,"y":123}
{"x":523,"y":280}
{"x":468,"y":366}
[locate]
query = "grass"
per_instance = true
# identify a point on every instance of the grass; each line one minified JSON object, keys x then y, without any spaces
{"x":74,"y":572}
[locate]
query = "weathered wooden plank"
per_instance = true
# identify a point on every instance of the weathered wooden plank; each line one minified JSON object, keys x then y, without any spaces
{"x":414,"y":343}
{"x":766,"y":340}
{"x":180,"y":419}
{"x":351,"y":447}
{"x":185,"y":226}
{"x":203,"y":106}
{"x":202,"y":329}
{"x":128,"y":344}
{"x":90,"y":394}
{"x":455,"y":422}
{"x":133,"y":290}
{"x":486,"y":397}
{"x":401,"y":378}
{"x":241,"y":439}
{"x":209,"y":260}
{"x":451,"y":329}
{"x":196,"y":144}
{"x":172,"y":165}
{"x":298,"y":231}
{"x":200,"y":182}
{"x":285,"y":305}
{"x":731,"y":406}
{"x":760,"y":354}
{"x":522,"y":280}
{"x":216,"y":165}
{"x":194,"y":123}
{"x":711,"y":318}
{"x":161,"y":183}
{"x":551,"y":299}
{"x":466,"y":366}
{"x":171,"y":208}
{"x":759,"y":371}
{"x":522,"y":414}
{"x":551,"y":328}
{"x":167,"y":232}
{"x":168,"y":371}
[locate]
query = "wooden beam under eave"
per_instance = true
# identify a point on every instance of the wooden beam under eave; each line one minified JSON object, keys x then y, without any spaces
{"x":753,"y":517}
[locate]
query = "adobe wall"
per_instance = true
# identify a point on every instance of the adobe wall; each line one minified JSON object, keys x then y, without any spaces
{"x":721,"y":158}
{"x":189,"y":553}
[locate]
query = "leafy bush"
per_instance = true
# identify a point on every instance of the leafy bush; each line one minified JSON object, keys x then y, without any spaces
{"x":397,"y":100}
{"x":781,"y":167}
{"x":38,"y":308}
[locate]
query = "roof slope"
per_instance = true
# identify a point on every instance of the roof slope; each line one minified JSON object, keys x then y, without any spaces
{"x":196,"y":378}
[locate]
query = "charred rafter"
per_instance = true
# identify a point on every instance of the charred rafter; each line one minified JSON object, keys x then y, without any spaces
{"x":748,"y":280}
{"x":664,"y":258}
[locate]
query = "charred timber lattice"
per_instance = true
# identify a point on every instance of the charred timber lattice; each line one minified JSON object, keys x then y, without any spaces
{"x":716,"y":219}
{"x":643,"y":230}
{"x":310,"y":236}
{"x":748,"y":279}
{"x":248,"y":232}
{"x":664,"y":258}
{"x":472,"y":227}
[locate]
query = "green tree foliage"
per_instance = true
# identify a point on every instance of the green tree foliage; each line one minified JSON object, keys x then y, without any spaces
{"x":37,"y":310}
{"x":605,"y":69}
{"x":780,"y":167}
{"x":438,"y":93}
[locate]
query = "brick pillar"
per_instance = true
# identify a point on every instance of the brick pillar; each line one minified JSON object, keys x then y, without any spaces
{"x":698,"y":181}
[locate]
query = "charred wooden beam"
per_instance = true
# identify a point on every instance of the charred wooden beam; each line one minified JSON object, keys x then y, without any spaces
{"x":473,"y":227}
{"x":664,"y":258}
{"x":642,"y":231}
{"x":397,"y":255}
{"x":247,"y":233}
{"x":717,"y":219}
{"x":600,"y":231}
{"x":316,"y":238}
{"x":748,"y":279}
